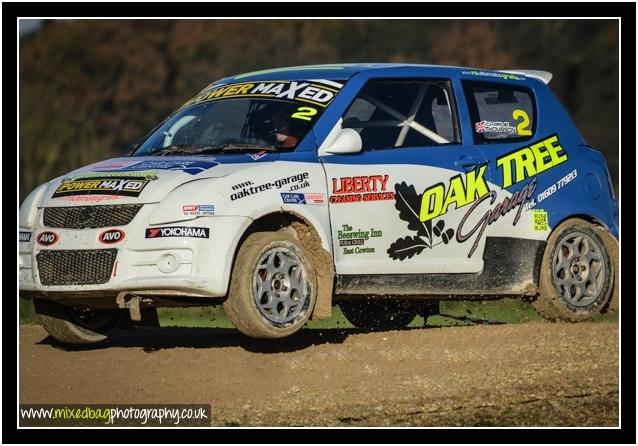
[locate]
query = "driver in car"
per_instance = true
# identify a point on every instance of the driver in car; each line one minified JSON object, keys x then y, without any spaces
{"x":283,"y":133}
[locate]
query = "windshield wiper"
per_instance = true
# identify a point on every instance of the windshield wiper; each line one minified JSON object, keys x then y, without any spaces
{"x":240,"y":147}
{"x":175,"y":148}
{"x":192,"y":150}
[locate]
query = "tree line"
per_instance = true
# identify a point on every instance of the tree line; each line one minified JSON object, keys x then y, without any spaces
{"x":90,"y":88}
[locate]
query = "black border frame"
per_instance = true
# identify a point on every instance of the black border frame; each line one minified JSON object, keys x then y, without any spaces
{"x":625,"y":434}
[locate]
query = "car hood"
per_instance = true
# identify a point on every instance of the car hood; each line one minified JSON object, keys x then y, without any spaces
{"x":129,"y":180}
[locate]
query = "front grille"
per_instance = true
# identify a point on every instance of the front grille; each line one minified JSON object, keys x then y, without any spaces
{"x":87,"y":217}
{"x":82,"y":267}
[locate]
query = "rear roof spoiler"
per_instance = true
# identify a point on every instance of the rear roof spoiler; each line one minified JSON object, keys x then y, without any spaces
{"x":544,"y":76}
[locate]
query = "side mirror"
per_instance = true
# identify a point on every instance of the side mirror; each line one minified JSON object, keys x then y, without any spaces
{"x":345,"y":141}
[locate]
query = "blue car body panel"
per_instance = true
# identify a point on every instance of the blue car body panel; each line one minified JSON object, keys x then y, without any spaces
{"x":589,"y":194}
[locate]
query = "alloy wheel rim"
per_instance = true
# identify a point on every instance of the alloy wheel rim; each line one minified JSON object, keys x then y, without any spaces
{"x":578,"y":269}
{"x":280,"y":287}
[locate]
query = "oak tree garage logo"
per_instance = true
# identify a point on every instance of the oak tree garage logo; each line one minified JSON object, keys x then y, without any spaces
{"x":471,"y":189}
{"x":247,"y":188}
{"x":408,"y":203}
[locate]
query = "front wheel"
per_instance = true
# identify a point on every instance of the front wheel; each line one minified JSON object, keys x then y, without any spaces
{"x":577,"y":273}
{"x":74,"y":325}
{"x":273,"y":287}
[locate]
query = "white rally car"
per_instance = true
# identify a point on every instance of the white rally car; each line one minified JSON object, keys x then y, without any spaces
{"x":382,"y":187}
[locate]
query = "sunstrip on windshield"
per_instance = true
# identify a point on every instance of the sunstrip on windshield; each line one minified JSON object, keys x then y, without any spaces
{"x":310,"y":92}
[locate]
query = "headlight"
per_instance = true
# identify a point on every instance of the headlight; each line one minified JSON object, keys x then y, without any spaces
{"x":29,"y":208}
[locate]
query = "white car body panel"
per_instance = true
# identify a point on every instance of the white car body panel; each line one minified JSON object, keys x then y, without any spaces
{"x":204,"y":266}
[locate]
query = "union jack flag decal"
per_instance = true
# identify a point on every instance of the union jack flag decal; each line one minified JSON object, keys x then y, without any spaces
{"x":480,"y":127}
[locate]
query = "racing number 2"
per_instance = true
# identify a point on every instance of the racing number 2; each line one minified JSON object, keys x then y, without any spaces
{"x":305,"y":113}
{"x":522,"y":127}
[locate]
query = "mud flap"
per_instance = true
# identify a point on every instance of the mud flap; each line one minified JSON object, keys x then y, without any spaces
{"x":140,"y":311}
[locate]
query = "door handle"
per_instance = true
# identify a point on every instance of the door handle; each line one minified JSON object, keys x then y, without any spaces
{"x":468,"y":161}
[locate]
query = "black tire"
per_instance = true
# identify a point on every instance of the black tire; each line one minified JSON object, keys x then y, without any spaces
{"x":378,"y":315}
{"x":612,"y":248}
{"x":273,"y":287}
{"x":576,"y":274}
{"x":428,"y":308}
{"x":72,"y":325}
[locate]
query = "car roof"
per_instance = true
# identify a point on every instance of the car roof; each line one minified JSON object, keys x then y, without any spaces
{"x":345,"y":71}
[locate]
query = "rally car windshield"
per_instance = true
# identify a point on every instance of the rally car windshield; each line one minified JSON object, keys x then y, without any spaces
{"x":270,"y":116}
{"x":232,"y":124}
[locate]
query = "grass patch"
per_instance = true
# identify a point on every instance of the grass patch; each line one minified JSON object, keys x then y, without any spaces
{"x":212,"y":317}
{"x":510,"y":311}
{"x":26,"y":312}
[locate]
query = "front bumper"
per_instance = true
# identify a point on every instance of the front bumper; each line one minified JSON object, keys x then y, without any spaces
{"x":182,"y":266}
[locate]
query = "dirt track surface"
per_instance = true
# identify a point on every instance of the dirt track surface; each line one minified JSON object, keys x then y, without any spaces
{"x":533,"y":374}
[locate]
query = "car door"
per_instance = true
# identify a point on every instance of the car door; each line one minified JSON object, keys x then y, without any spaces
{"x":395,"y":206}
{"x":504,"y":125}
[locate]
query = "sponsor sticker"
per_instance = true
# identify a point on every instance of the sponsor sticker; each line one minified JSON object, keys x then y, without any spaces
{"x":177,"y":231}
{"x":299,"y":198}
{"x":111,"y":236}
{"x":316,"y":199}
{"x":556,"y":186}
{"x":248,"y":188}
{"x":471,"y":189}
{"x":505,"y":76}
{"x":258,"y":155}
{"x":24,"y":237}
{"x":149,"y":175}
{"x":360,"y":189}
{"x":91,"y":198}
{"x":352,"y":242}
{"x":192,"y":167}
{"x":531,"y":160}
{"x":495,"y":127}
{"x":124,"y":186}
{"x":293,"y":198}
{"x":315,"y":92}
{"x":112,"y":165}
{"x":540,"y":220}
{"x":199,"y":209}
{"x":47,"y":238}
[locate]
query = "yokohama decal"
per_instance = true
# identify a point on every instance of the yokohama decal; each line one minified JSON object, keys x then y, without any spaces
{"x":177,"y":231}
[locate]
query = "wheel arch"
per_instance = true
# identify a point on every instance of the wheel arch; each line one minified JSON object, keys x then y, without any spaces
{"x":316,"y":243}
{"x":590,"y":216}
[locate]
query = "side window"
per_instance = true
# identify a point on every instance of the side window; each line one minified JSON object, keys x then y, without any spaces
{"x":500,"y":112}
{"x":406,"y":113}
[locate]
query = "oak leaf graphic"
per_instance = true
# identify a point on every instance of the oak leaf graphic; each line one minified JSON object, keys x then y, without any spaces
{"x":408,"y":203}
{"x":407,"y":247}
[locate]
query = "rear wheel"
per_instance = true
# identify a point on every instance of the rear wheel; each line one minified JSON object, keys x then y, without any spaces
{"x":74,"y":325}
{"x":577,"y":273}
{"x":384,"y":314}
